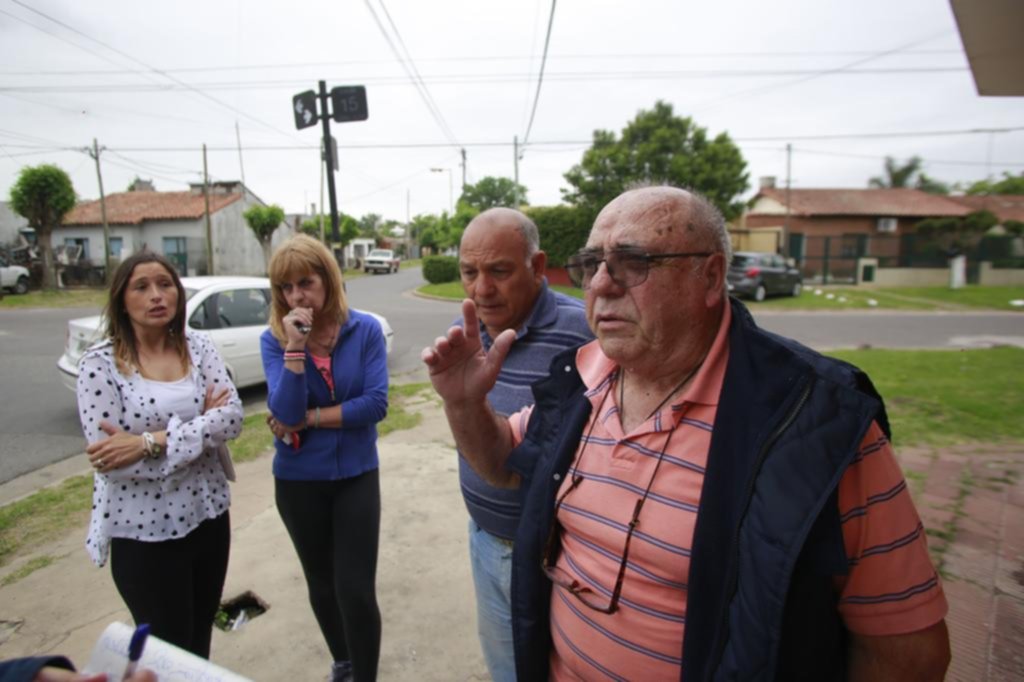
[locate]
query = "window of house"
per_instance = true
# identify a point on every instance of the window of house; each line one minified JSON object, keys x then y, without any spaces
{"x":116,"y":246}
{"x":887,"y":225}
{"x":82,"y":242}
{"x":177,"y":252}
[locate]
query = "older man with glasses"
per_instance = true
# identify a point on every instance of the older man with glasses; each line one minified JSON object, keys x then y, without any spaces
{"x":701,"y":499}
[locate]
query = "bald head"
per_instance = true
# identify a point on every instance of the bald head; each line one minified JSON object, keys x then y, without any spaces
{"x":499,"y":218}
{"x":674,"y":216}
{"x":502,"y":267}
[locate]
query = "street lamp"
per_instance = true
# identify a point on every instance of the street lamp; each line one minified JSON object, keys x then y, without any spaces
{"x":451,"y":202}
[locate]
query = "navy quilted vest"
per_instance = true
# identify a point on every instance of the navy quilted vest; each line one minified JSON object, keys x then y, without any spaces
{"x":767,"y":543}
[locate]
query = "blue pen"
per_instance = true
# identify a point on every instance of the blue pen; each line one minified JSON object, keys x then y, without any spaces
{"x":135,"y":648}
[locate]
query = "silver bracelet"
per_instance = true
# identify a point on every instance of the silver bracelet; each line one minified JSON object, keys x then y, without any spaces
{"x":316,"y":422}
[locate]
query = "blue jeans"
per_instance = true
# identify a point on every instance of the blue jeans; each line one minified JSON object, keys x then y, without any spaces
{"x":492,"y":577}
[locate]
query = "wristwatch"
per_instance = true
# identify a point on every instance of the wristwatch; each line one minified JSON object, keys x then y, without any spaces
{"x":151,"y":447}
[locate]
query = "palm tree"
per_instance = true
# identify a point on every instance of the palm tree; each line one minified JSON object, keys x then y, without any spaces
{"x":897,"y":175}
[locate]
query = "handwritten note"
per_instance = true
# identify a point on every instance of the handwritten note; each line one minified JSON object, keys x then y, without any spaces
{"x":171,"y":664}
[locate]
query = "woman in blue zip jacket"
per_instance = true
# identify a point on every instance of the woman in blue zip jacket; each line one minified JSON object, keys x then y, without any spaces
{"x":327,"y":382}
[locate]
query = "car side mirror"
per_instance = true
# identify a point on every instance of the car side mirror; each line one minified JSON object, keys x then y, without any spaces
{"x":791,"y":262}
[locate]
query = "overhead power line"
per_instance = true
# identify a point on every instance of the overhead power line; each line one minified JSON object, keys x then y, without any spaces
{"x":503,"y":143}
{"x":153,"y":69}
{"x":476,"y":59}
{"x":413,"y":73}
{"x":819,"y":74}
{"x":470,"y":79}
{"x":540,"y":76}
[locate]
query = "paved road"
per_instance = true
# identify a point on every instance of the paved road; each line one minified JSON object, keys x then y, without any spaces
{"x":416,"y":321}
{"x":39,"y":419}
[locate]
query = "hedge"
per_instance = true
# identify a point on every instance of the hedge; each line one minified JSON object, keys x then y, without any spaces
{"x":440,"y":269}
{"x":563,"y":230}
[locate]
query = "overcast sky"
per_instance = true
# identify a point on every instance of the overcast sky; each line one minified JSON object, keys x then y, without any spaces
{"x":154,"y":81}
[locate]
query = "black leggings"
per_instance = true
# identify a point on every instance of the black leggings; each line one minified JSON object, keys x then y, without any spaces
{"x":335,"y":527}
{"x":175,"y":585}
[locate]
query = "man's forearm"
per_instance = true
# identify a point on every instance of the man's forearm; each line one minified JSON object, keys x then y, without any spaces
{"x":484,"y":439}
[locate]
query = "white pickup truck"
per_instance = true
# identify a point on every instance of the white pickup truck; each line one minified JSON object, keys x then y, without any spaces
{"x":381,"y":260}
{"x":13,"y":277}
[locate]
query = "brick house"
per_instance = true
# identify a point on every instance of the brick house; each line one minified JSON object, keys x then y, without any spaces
{"x":1004,"y":206}
{"x":174,"y":224}
{"x":827,"y":230}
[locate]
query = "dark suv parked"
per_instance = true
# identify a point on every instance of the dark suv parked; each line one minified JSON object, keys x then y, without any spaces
{"x":758,"y":275}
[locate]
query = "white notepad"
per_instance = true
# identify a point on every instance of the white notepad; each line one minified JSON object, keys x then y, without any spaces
{"x":171,"y":664}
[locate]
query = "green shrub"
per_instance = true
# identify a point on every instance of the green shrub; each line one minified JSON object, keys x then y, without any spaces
{"x":563,"y":230}
{"x":440,"y":269}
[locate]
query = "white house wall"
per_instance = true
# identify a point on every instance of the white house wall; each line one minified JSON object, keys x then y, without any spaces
{"x":237,"y":251}
{"x":152,"y":235}
{"x":10,"y":223}
{"x":94,"y":233}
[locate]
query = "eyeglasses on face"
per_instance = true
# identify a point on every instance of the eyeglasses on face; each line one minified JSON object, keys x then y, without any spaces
{"x":627,"y":267}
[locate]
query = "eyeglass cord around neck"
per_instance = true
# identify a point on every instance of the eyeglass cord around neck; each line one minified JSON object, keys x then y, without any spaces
{"x":622,"y":389}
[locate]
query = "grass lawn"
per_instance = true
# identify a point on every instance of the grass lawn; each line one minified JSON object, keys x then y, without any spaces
{"x":452,"y":290}
{"x":943,"y":397}
{"x":845,"y":298}
{"x":64,"y":298}
{"x":47,"y":514}
{"x":898,"y":298}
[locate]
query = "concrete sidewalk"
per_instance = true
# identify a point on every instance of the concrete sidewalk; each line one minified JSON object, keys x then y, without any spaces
{"x":971,"y":499}
{"x":423,"y":579}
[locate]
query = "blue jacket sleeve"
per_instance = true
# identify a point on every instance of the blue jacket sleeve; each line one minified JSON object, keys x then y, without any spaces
{"x":372,"y":405}
{"x":26,"y":669}
{"x":286,"y":390}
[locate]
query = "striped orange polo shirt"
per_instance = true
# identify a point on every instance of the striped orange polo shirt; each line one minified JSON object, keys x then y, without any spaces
{"x":892,"y":586}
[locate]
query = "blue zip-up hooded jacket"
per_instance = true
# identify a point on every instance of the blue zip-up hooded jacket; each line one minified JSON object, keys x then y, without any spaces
{"x":360,"y":370}
{"x":768,"y":541}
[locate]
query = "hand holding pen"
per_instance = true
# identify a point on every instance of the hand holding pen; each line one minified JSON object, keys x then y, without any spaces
{"x":135,"y":647}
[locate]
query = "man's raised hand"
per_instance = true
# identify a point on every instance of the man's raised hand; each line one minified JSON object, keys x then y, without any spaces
{"x":459,"y":369}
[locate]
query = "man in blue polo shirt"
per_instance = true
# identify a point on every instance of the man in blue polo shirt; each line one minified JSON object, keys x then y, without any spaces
{"x":502,"y":270}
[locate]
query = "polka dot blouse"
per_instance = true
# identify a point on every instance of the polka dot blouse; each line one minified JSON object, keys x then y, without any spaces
{"x":167,"y":497}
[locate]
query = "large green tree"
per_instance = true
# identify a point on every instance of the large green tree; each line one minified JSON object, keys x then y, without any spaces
{"x":348,"y":228}
{"x":492,"y":191}
{"x":370,"y":224}
{"x":659,"y":147}
{"x":43,"y":195}
{"x":1009,"y":184}
{"x":264,"y":221}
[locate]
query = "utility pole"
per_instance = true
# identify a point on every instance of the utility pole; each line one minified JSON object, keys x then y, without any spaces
{"x":329,"y":160}
{"x":789,"y":183}
{"x":323,"y":236}
{"x":463,"y":186}
{"x":209,"y":227}
{"x":241,"y":166}
{"x":515,"y":162}
{"x":103,"y":213}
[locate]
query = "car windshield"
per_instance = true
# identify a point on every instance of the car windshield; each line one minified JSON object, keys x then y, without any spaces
{"x":740,"y":260}
{"x":382,"y":254}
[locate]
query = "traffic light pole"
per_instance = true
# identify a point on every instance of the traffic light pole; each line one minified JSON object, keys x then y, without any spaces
{"x":329,"y":160}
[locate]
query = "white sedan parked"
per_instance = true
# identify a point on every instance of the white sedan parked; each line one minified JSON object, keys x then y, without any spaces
{"x":234,"y":311}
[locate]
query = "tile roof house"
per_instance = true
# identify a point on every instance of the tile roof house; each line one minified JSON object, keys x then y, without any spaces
{"x":827,"y":230}
{"x":1004,"y":206}
{"x":174,"y":224}
{"x":836,"y":212}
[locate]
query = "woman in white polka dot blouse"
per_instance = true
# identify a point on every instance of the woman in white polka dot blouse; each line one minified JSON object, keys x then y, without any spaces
{"x":157,"y":408}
